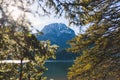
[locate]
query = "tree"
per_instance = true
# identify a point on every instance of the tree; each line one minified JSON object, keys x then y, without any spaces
{"x":99,"y":45}
{"x":18,"y":43}
{"x":100,"y":59}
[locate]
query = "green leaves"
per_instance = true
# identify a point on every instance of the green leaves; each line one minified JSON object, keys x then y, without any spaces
{"x":25,"y":46}
{"x":99,"y":44}
{"x":17,"y":43}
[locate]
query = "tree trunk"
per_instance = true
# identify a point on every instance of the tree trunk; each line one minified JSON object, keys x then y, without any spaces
{"x":21,"y":68}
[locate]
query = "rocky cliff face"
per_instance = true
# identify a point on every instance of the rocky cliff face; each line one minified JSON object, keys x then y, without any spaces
{"x":57,"y":33}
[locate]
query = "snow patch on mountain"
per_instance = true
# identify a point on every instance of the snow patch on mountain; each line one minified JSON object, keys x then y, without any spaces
{"x":57,"y":33}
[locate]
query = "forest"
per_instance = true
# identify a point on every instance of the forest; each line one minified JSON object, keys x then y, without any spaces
{"x":98,"y":46}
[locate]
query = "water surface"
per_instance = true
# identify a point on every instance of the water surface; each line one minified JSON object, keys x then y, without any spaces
{"x":57,"y":69}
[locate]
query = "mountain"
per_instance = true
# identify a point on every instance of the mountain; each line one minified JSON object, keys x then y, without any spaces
{"x":59,"y":34}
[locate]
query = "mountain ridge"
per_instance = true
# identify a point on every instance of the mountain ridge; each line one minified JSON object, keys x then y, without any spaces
{"x":59,"y":34}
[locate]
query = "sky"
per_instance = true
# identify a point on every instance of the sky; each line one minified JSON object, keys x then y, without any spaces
{"x":40,"y":21}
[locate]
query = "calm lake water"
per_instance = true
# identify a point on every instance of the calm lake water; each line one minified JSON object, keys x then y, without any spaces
{"x":57,"y":69}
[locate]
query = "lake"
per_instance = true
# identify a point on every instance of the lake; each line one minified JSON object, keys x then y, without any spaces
{"x":57,"y":69}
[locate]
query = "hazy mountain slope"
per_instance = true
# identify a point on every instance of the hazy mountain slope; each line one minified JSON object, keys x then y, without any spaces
{"x":59,"y":34}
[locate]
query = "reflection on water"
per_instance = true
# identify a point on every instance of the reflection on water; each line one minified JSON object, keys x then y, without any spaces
{"x":57,"y":69}
{"x":58,"y":61}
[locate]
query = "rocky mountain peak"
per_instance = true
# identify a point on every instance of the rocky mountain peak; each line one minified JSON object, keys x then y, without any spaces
{"x":57,"y":33}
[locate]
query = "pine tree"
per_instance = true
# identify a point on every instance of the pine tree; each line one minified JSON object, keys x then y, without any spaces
{"x":99,"y":45}
{"x":18,"y":43}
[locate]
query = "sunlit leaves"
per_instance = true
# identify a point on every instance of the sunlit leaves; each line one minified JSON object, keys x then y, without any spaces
{"x":25,"y":46}
{"x":18,"y":43}
{"x":99,"y":44}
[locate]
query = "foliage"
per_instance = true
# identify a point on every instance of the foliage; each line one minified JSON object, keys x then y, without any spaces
{"x":19,"y":47}
{"x":99,"y":44}
{"x":100,"y":47}
{"x":18,"y":43}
